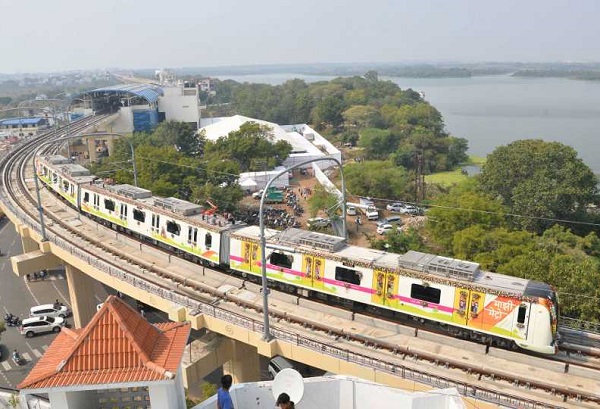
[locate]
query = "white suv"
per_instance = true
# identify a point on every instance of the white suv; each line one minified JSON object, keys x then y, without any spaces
{"x":38,"y":325}
{"x":50,"y":310}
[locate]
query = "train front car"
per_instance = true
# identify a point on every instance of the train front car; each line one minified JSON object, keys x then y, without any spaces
{"x":542,"y":325}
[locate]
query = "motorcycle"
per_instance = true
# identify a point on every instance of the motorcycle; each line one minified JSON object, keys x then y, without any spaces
{"x":12,"y":320}
{"x":17,"y":359}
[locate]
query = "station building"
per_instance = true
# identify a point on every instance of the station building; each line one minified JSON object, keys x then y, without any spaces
{"x":141,"y":107}
{"x":23,"y":126}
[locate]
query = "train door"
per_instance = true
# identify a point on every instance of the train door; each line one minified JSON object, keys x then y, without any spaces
{"x":314,"y":269}
{"x":475,"y":309}
{"x":252,"y":257}
{"x":123,"y":212}
{"x":155,"y":223}
{"x":385,"y":286}
{"x":192,"y":236}
{"x":460,"y":315}
{"x":96,"y":201}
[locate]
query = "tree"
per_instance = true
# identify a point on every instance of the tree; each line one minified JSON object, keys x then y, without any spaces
{"x":540,"y":180}
{"x":399,"y":241}
{"x":376,"y":179}
{"x":252,"y":146}
{"x":361,"y":116}
{"x":378,"y":143}
{"x":464,"y":206}
{"x":328,"y":112}
{"x":321,"y":199}
{"x":180,"y":135}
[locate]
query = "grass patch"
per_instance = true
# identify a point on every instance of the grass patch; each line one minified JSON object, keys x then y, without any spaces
{"x":455,"y":176}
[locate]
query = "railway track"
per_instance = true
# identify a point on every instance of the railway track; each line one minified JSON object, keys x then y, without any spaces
{"x":197,"y":294}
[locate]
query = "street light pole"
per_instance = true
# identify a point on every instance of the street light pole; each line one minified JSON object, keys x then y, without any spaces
{"x":263,"y":241}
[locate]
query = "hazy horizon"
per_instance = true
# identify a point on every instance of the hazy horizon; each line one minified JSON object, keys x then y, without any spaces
{"x":65,"y":35}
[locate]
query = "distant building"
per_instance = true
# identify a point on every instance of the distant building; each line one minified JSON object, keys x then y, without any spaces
{"x":23,"y":126}
{"x":143,"y":106}
{"x":118,"y":360}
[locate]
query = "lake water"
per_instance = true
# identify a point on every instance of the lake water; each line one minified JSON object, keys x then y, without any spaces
{"x":496,"y":110}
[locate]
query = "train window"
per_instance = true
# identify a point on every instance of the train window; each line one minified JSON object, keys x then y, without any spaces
{"x":347,"y":275}
{"x":65,"y":186}
{"x":522,"y":314}
{"x":423,"y":293}
{"x":139,"y":215}
{"x":208,"y":240}
{"x":173,"y":228}
{"x":281,"y":260}
{"x":86,"y":197}
{"x":109,"y":205}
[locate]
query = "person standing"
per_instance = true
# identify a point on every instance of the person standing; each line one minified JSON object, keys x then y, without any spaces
{"x":223,"y":397}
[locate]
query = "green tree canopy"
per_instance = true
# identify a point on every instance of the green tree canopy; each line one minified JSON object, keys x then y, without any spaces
{"x":252,"y":147}
{"x":464,"y":206}
{"x":540,"y":180}
{"x":376,"y":178}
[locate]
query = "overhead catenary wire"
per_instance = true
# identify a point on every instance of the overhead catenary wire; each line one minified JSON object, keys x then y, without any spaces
{"x":550,"y":219}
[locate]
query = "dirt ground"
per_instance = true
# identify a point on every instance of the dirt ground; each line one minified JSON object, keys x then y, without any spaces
{"x":357,"y":235}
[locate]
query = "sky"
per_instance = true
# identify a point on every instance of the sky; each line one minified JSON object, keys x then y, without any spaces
{"x":57,"y":35}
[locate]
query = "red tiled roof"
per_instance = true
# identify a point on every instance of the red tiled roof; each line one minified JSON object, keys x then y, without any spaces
{"x":118,"y":345}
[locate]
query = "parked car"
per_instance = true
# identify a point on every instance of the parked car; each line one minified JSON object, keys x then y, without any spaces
{"x":386,"y":228}
{"x":351,"y":210}
{"x":50,"y":310}
{"x":277,"y":364}
{"x":397,"y":220}
{"x":38,"y":325}
{"x":397,"y":207}
{"x":318,"y":222}
{"x":411,"y":209}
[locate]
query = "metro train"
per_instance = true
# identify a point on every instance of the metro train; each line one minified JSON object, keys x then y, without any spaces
{"x":456,"y":294}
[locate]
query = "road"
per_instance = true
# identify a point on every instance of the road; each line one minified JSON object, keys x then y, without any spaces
{"x":18,"y":295}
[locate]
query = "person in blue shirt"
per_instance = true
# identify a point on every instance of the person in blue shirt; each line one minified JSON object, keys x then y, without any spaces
{"x":223,"y":398}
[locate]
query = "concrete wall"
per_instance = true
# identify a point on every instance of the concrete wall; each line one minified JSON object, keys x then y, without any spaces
{"x":73,"y":400}
{"x":166,"y":396}
{"x":179,"y":107}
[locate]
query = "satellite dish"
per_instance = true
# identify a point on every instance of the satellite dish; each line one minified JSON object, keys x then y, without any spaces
{"x":289,"y":381}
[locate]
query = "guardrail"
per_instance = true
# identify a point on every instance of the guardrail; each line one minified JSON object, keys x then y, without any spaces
{"x":579,"y":325}
{"x":199,"y":307}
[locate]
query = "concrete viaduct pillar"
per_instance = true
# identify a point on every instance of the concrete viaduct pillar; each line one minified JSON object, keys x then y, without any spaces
{"x":28,"y":243}
{"x":81,"y":293}
{"x":243,"y":365}
{"x":92,"y":149}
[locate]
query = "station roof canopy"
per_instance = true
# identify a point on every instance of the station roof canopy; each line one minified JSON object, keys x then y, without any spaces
{"x":21,"y":121}
{"x":147,"y":91}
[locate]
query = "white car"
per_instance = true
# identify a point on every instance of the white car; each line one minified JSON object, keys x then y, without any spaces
{"x":396,"y":207}
{"x":397,"y":220}
{"x":318,"y":222}
{"x":50,"y":310}
{"x":38,"y":325}
{"x":386,"y":228}
{"x":410,"y":209}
